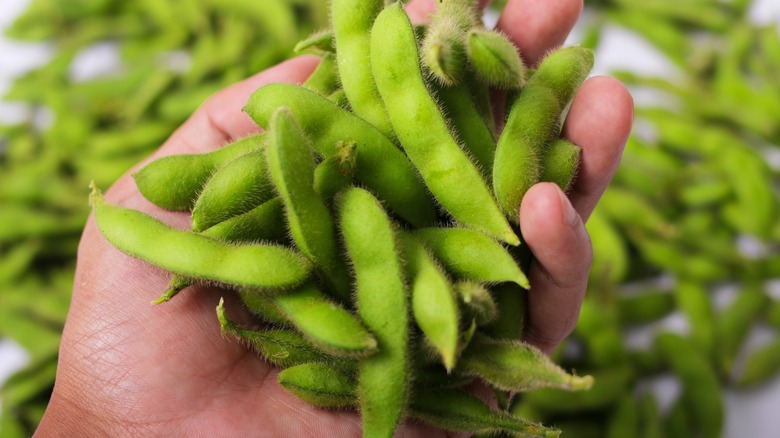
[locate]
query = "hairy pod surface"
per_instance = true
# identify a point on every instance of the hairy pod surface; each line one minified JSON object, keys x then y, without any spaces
{"x":320,"y":385}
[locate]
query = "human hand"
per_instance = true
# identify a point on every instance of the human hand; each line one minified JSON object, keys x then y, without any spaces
{"x":128,"y":368}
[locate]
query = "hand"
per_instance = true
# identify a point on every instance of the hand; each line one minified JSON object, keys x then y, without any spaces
{"x":129,"y":368}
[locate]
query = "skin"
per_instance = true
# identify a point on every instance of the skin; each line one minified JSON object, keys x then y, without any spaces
{"x":129,"y":368}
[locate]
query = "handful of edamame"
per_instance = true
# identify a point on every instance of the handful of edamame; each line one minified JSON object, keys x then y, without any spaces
{"x":361,"y":164}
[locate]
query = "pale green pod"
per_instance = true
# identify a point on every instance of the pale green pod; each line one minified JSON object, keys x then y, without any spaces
{"x":322,"y":42}
{"x":264,"y":307}
{"x":336,"y":172}
{"x":515,"y":366}
{"x":141,"y":236}
{"x":283,"y":348}
{"x":422,"y":130}
{"x":382,"y":303}
{"x":291,"y":167}
{"x":352,"y":21}
{"x":610,"y":254}
{"x":444,"y":45}
{"x":233,"y":189}
{"x":472,"y":255}
{"x":609,"y":386}
{"x":327,"y":325}
{"x":694,"y":302}
{"x":325,"y":78}
{"x":477,"y":302}
{"x":563,"y":71}
{"x":320,"y":385}
{"x":379,"y":164}
{"x":174,"y":182}
{"x":495,"y":59}
{"x":560,"y":163}
{"x":459,"y":411}
{"x":434,"y":304}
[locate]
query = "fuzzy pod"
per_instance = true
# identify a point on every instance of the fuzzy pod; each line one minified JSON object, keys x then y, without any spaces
{"x":472,"y":255}
{"x":448,"y":172}
{"x":382,"y":303}
{"x":174,"y":182}
{"x":495,"y":59}
{"x":325,"y":78}
{"x":511,"y":302}
{"x":563,"y":71}
{"x":609,"y":385}
{"x":560,"y":163}
{"x":336,"y":172}
{"x":477,"y":302}
{"x":443,"y":47}
{"x":321,"y":42}
{"x":515,"y":366}
{"x":320,"y":385}
{"x":234,"y":189}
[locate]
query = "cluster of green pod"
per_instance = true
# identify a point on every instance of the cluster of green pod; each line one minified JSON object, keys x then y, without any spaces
{"x":329,"y":223}
{"x":687,"y":232}
{"x":71,"y":128}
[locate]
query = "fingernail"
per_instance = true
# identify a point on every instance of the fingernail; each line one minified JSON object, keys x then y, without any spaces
{"x":570,"y":216}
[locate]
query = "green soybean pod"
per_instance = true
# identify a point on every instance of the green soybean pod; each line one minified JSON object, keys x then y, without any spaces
{"x":291,"y":166}
{"x":379,"y":164}
{"x":512,"y":304}
{"x":326,"y":324}
{"x":735,"y":322}
{"x":515,"y":366}
{"x":760,"y":365}
{"x":444,"y":45}
{"x":174,"y":182}
{"x":469,"y":124}
{"x":694,"y":302}
{"x":458,"y":411}
{"x":352,"y":21}
{"x":644,"y":307}
{"x":141,"y":236}
{"x":283,"y":348}
{"x":517,"y":166}
{"x":320,"y":384}
{"x":233,"y":189}
{"x":472,"y":255}
{"x":264,"y":307}
{"x":701,"y":390}
{"x":321,"y":42}
{"x":382,"y":303}
{"x":325,"y":78}
{"x":560,"y":163}
{"x":477,"y":302}
{"x":335,"y":172}
{"x":434,"y":305}
{"x":610,"y":385}
{"x":422,"y":130}
{"x":495,"y":59}
{"x":563,"y":71}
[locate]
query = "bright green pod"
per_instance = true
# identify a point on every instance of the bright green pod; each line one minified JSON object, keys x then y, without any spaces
{"x":624,"y":418}
{"x":477,"y":302}
{"x":560,"y":163}
{"x":599,"y":329}
{"x":515,"y":366}
{"x":532,"y":122}
{"x":146,"y":238}
{"x":469,"y":124}
{"x":444,"y":45}
{"x":760,"y":365}
{"x":264,"y":307}
{"x":260,"y":224}
{"x":472,"y":255}
{"x":325,"y":78}
{"x":511,"y":301}
{"x":610,"y":385}
{"x":174,"y":182}
{"x":320,"y":385}
{"x":322,"y":42}
{"x":352,"y":21}
{"x":291,"y":166}
{"x":495,"y":59}
{"x":234,"y":189}
{"x":382,"y":303}
{"x":633,"y":212}
{"x":735,"y":322}
{"x":701,"y":390}
{"x":458,"y":411}
{"x":283,"y":348}
{"x":434,"y":305}
{"x":422,"y":130}
{"x":379,"y":164}
{"x":335,"y":173}
{"x":327,"y":325}
{"x":563,"y":71}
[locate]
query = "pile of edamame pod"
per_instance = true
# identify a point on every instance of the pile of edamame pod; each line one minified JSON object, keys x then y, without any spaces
{"x":329,"y":224}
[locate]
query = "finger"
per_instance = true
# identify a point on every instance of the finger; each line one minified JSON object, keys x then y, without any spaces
{"x":537,"y":26}
{"x":557,"y":237}
{"x":599,"y":121}
{"x":420,"y":11}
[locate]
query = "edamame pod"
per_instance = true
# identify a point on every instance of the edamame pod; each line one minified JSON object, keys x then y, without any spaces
{"x":495,"y":59}
{"x":335,"y":172}
{"x":320,"y":385}
{"x":477,"y":302}
{"x":379,"y":164}
{"x":511,"y":304}
{"x":444,"y":46}
{"x":560,"y":163}
{"x":325,"y":79}
{"x":382,"y":303}
{"x":174,"y":182}
{"x":423,"y":132}
{"x":141,"y":236}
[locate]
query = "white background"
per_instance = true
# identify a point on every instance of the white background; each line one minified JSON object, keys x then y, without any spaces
{"x":755,"y":414}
